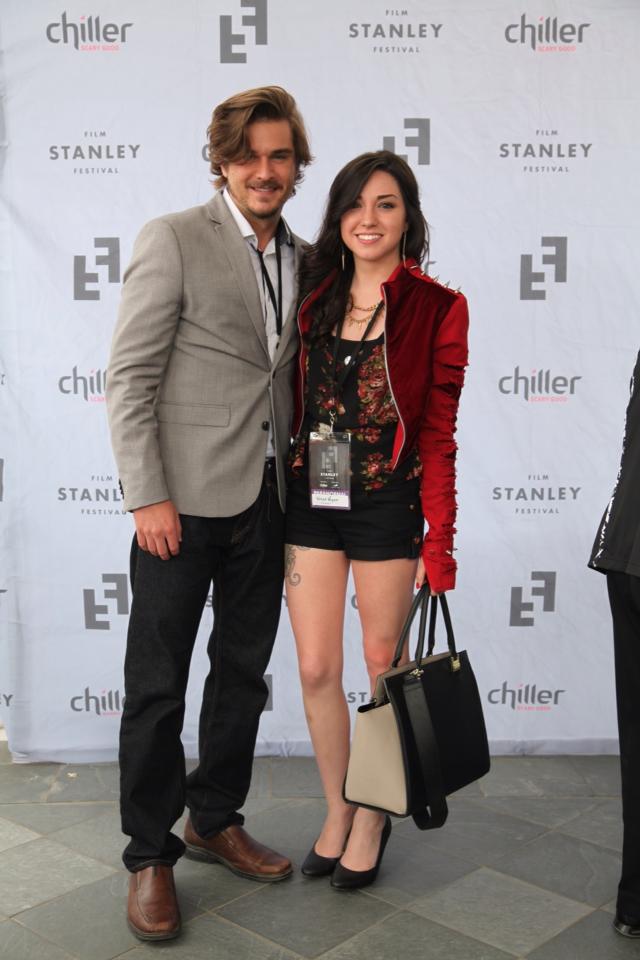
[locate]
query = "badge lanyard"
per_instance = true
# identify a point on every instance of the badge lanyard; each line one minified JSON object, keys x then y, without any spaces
{"x":277,"y":304}
{"x":339,"y":382}
{"x":329,"y":450}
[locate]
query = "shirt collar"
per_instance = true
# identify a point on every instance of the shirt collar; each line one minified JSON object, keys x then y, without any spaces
{"x":245,"y":228}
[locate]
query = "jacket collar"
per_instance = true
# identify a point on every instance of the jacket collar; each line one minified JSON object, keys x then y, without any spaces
{"x":406,"y":269}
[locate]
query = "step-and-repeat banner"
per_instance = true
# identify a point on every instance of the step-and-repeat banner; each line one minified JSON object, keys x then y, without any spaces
{"x":520,"y":120}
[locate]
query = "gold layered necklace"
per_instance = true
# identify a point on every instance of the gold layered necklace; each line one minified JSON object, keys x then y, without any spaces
{"x":367,"y":311}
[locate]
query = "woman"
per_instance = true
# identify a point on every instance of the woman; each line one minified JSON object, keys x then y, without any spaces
{"x":381,"y":366}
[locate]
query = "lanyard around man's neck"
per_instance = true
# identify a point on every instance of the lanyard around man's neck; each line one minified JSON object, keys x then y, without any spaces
{"x":277,"y":304}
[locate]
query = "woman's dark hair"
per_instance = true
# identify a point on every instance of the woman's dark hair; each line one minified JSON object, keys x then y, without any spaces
{"x":326,"y":253}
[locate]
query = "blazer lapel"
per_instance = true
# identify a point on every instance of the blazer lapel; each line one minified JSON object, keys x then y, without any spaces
{"x":237,"y":253}
{"x":290,"y":327}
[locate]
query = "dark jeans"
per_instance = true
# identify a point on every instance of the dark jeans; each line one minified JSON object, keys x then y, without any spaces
{"x":624,"y":597}
{"x":243,"y":556}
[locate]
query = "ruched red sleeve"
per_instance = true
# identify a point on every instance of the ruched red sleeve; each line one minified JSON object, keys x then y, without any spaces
{"x":438,"y":448}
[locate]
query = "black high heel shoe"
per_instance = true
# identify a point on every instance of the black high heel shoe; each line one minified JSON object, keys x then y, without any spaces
{"x":345,"y":879}
{"x":316,"y":866}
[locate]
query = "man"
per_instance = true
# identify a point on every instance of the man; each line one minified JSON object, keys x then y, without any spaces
{"x":616,"y":552}
{"x":199,"y":400}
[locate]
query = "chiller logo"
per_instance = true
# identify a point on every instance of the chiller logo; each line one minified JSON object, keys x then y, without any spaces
{"x":90,"y":387}
{"x":421,"y":140}
{"x":397,"y":33}
{"x":108,"y":703}
{"x":524,"y":697}
{"x":89,"y":35}
{"x":229,"y":40}
{"x":547,"y":35}
{"x":539,"y":386}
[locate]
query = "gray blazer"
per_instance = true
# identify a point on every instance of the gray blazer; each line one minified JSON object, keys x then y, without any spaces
{"x":190,"y":384}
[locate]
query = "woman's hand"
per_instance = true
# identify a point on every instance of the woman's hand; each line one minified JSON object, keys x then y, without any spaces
{"x":421,"y":576}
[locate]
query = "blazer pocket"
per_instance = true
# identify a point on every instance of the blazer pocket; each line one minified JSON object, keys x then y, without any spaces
{"x":197,"y":414}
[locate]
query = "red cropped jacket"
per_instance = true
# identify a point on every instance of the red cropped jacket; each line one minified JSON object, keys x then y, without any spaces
{"x":425,"y":353}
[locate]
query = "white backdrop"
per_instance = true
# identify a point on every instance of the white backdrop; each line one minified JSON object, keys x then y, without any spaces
{"x":521,"y":124}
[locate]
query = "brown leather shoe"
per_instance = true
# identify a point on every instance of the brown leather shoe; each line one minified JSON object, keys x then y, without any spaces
{"x":153,"y":912}
{"x":238,"y":851}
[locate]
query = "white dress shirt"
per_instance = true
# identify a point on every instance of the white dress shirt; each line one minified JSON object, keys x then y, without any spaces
{"x":287,"y":262}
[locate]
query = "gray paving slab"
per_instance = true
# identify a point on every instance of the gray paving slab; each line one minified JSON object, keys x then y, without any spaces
{"x":5,"y":753}
{"x":547,"y":811}
{"x":531,"y":881}
{"x":209,"y":885}
{"x":290,"y":829}
{"x":256,"y":805}
{"x":474,"y":832}
{"x":86,"y":781}
{"x":12,"y":835}
{"x":98,"y":837}
{"x":602,"y":824}
{"x":18,"y":943}
{"x":409,"y":937}
{"x":45,"y":818}
{"x":306,"y":916}
{"x":602,"y":773}
{"x":568,"y":866}
{"x":592,"y":938}
{"x":90,"y":922}
{"x":261,"y":779}
{"x":410,"y":870}
{"x":471,"y":790}
{"x":24,"y":782}
{"x":534,"y":777}
{"x":212,"y":938}
{"x":299,"y":779}
{"x":38,"y":871}
{"x":499,"y":910}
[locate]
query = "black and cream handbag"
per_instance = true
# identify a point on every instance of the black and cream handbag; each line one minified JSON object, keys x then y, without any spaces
{"x":422,"y":735}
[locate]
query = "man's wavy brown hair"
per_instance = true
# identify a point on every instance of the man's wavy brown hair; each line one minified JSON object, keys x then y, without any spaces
{"x":227,"y":131}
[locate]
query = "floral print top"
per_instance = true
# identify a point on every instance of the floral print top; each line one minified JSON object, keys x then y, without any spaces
{"x":364,"y":407}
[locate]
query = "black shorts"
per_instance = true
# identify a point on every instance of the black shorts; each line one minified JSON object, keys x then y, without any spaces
{"x":382,"y":524}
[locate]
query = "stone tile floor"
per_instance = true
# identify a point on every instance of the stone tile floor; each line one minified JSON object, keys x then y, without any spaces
{"x":526,"y":866}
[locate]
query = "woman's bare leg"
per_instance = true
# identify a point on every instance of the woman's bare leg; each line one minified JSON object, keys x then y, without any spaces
{"x":316,"y":586}
{"x":384,"y":589}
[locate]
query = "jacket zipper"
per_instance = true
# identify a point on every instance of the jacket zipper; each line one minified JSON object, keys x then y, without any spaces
{"x":301,"y":362}
{"x":386,"y":366}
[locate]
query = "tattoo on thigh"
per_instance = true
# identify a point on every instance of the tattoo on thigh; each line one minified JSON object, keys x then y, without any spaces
{"x":290,"y":575}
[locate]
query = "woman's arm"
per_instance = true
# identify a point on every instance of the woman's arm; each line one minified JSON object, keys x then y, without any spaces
{"x":437,"y":447}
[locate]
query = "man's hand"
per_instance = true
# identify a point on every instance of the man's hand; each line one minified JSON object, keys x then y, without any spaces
{"x":158,"y":529}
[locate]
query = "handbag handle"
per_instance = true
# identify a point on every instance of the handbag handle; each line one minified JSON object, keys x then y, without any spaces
{"x":421,"y":602}
{"x":451,"y":640}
